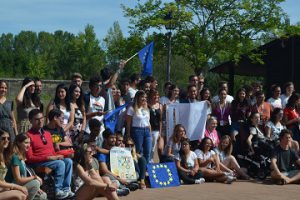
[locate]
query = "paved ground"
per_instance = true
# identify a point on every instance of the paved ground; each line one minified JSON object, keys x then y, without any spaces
{"x":237,"y":191}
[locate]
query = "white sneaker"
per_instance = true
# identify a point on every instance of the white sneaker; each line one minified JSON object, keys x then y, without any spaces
{"x":230,"y":179}
{"x":61,"y":194}
{"x":200,"y":181}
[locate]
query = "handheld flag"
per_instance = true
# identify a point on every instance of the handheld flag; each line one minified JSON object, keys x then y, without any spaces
{"x":146,"y":58}
{"x":163,"y":175}
{"x":111,"y":118}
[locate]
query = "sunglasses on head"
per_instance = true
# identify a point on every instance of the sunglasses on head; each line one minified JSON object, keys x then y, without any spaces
{"x":130,"y":145}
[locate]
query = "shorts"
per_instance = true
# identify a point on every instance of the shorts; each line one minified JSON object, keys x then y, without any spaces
{"x":291,"y":173}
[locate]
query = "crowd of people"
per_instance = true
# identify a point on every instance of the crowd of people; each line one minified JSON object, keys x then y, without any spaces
{"x":69,"y":137}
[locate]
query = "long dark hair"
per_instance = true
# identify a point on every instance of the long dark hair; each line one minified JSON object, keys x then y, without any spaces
{"x":274,"y":114}
{"x":292,"y":100}
{"x":79,"y":158}
{"x":183,"y":157}
{"x":202,"y":94}
{"x":28,"y":98}
{"x":202,"y":143}
{"x":79,"y":101}
{"x":67,"y":98}
{"x":7,"y":151}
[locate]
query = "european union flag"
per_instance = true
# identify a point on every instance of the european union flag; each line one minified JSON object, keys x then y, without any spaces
{"x":146,"y":57}
{"x":163,"y":175}
{"x":111,"y":118}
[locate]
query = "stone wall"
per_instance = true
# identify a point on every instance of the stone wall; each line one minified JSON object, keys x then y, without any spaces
{"x":48,"y":88}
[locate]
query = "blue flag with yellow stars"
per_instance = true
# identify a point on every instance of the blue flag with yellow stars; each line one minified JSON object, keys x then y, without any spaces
{"x":146,"y":58}
{"x":163,"y":175}
{"x":111,"y":118}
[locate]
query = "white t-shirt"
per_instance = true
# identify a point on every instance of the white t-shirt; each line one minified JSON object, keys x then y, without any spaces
{"x":164,"y":100}
{"x":141,"y":118}
{"x":96,"y":104}
{"x":284,"y":100}
{"x":203,"y":157}
{"x":216,"y":99}
{"x":190,"y":159}
{"x":131,"y":92}
{"x":257,"y":132}
{"x":275,"y":129}
{"x":221,"y":154}
{"x":174,"y":146}
{"x":275,"y":103}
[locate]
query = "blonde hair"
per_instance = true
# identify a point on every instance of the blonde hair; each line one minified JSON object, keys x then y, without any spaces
{"x":137,"y":96}
{"x":133,"y":150}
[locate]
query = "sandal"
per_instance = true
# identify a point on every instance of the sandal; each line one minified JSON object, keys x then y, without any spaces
{"x":143,"y":186}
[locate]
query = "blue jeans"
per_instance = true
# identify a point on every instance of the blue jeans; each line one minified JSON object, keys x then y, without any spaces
{"x":143,"y":141}
{"x":62,"y":172}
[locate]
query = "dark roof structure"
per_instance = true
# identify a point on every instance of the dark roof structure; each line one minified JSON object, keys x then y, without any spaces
{"x":281,"y":63}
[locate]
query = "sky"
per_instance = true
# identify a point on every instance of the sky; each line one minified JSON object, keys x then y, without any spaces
{"x":74,"y":15}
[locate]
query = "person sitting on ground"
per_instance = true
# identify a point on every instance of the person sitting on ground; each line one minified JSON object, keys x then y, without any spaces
{"x":228,"y":162}
{"x":174,"y":144}
{"x":104,"y":162}
{"x":209,"y":163}
{"x":41,"y":153}
{"x":283,"y":160}
{"x":17,"y":171}
{"x":140,"y":163}
{"x":8,"y":190}
{"x":187,"y":165}
{"x":89,"y":184}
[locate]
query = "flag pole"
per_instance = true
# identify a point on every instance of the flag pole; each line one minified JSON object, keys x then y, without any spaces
{"x":131,"y":57}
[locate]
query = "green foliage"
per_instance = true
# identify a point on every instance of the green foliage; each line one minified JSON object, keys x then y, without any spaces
{"x":52,"y":56}
{"x":210,"y":31}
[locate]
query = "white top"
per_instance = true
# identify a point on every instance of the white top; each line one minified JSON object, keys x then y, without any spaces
{"x":216,"y":99}
{"x":256,"y":131}
{"x":203,"y":157}
{"x":131,"y":92}
{"x":67,"y":114}
{"x":174,"y":146}
{"x":275,"y":129}
{"x":284,"y":100}
{"x":164,"y":100}
{"x":141,"y":118}
{"x":96,"y":104}
{"x":221,"y":154}
{"x":275,"y":103}
{"x":190,"y":159}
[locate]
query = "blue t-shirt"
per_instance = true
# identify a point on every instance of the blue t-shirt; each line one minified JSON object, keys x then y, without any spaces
{"x":104,"y":158}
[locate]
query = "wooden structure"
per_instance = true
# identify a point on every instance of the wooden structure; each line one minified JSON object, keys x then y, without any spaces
{"x":281,"y":63}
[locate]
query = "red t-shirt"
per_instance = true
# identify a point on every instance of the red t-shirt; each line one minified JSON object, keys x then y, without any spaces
{"x":290,"y":114}
{"x":38,"y":151}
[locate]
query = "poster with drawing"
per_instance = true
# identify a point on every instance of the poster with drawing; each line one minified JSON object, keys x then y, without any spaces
{"x":121,"y":163}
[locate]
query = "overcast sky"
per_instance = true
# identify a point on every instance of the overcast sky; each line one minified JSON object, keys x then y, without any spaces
{"x":74,"y":15}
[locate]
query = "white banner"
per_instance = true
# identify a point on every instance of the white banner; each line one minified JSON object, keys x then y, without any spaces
{"x":121,"y":163}
{"x":191,"y":115}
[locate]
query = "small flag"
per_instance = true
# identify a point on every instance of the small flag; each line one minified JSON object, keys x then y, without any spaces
{"x":163,"y":175}
{"x":146,"y":57}
{"x":111,"y":118}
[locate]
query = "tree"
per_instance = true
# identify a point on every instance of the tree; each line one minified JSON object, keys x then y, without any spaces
{"x":209,"y":31}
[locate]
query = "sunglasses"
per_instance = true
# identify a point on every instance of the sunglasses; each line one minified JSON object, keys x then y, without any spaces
{"x":5,"y":138}
{"x":130,"y":145}
{"x":43,"y":137}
